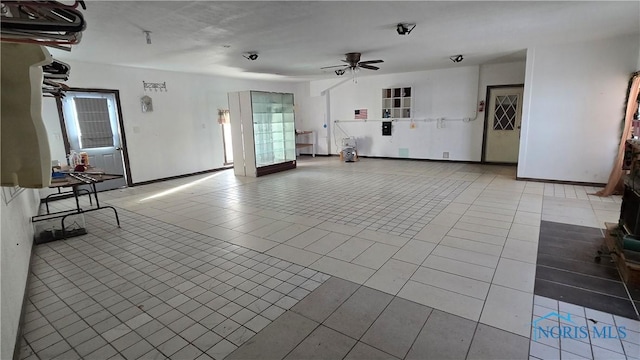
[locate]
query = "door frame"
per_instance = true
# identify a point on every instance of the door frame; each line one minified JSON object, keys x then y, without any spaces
{"x":486,"y":122}
{"x":224,"y":145}
{"x":123,"y":138}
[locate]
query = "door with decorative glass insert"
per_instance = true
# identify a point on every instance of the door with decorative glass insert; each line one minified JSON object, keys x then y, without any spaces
{"x":92,"y":126}
{"x":504,"y":116}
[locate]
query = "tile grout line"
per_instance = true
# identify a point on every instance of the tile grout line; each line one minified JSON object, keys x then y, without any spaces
{"x":74,"y":312}
{"x":422,"y":328}
{"x":492,"y":282}
{"x":373,"y":322}
{"x":582,"y":274}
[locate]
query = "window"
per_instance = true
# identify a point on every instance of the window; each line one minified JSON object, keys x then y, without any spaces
{"x":94,"y":122}
{"x":505,"y":112}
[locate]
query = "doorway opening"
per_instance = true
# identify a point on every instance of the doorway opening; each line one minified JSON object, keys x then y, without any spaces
{"x":91,"y":122}
{"x":223,"y":119}
{"x":503,"y":119}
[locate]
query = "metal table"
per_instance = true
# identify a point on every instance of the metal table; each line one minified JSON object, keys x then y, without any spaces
{"x":74,"y":180}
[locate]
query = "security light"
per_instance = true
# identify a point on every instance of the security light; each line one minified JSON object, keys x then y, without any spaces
{"x":405,"y":29}
{"x":456,"y":58}
{"x":251,"y":56}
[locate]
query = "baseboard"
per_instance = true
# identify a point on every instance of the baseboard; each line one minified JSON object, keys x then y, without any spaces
{"x":434,"y":160}
{"x":323,"y":155}
{"x":182,"y":176}
{"x":499,"y":163}
{"x":563,"y":182}
{"x":412,"y":159}
{"x":25,"y":298}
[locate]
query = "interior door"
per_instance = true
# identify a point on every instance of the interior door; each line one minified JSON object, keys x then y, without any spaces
{"x":92,"y":126}
{"x":504,"y":117}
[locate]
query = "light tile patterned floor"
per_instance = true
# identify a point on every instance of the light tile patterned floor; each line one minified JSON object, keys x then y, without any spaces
{"x":153,"y":290}
{"x":597,"y":343}
{"x":458,"y":238}
{"x":398,"y":205}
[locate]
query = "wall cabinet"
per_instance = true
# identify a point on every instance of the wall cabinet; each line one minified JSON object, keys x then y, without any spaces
{"x":396,"y":103}
{"x":262,"y":132}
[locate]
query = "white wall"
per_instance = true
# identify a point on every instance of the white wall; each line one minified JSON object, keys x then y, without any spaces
{"x":638,"y":65}
{"x":15,"y":252}
{"x":500,"y":74}
{"x":181,"y":135}
{"x":51,"y":122}
{"x":451,"y":93}
{"x":311,"y":115}
{"x":54,"y":131}
{"x":573,"y":108}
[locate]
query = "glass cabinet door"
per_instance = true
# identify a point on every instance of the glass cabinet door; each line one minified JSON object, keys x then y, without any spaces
{"x":289,"y":127}
{"x":273,"y":127}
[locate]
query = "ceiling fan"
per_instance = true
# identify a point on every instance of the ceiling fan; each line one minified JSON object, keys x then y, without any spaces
{"x":354,"y":64}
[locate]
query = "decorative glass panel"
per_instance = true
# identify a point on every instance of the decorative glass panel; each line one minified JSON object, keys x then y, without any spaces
{"x":505,"y":112}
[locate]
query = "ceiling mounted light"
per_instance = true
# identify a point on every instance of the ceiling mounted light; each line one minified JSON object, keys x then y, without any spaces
{"x":456,"y":58}
{"x":251,"y":56}
{"x":147,"y":35}
{"x":340,"y":72}
{"x":405,"y":29}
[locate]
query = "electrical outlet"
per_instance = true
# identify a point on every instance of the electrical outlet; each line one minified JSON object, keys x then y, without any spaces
{"x":445,"y":155}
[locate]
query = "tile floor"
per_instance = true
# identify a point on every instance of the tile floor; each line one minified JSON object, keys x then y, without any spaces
{"x":153,"y":290}
{"x":458,"y":239}
{"x":566,"y":271}
{"x":623,"y":344}
{"x":344,"y":320}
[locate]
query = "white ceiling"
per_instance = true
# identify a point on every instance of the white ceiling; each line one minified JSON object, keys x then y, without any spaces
{"x":294,"y":39}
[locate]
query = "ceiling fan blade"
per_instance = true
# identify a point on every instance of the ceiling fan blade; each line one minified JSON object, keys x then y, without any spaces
{"x":370,"y":67}
{"x":329,"y":67}
{"x":371,"y":62}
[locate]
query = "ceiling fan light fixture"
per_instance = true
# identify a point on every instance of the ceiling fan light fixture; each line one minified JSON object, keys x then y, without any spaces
{"x":353,"y":65}
{"x":456,"y":58}
{"x":251,"y":56}
{"x":405,"y":28}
